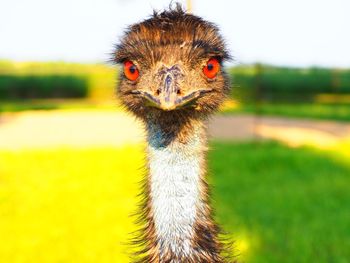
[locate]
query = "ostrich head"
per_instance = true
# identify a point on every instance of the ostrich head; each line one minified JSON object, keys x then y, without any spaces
{"x":172,"y":65}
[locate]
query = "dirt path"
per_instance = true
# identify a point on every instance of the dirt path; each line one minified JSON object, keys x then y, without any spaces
{"x":294,"y":132}
{"x":42,"y":129}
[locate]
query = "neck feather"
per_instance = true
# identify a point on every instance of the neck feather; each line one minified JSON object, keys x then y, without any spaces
{"x":182,"y":228}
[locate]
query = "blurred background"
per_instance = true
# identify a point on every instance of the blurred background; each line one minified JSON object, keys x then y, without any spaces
{"x":70,"y":157}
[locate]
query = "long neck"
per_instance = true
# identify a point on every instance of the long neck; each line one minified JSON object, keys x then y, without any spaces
{"x":182,"y":229}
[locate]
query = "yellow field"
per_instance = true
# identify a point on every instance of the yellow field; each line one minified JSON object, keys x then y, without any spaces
{"x":67,"y":205}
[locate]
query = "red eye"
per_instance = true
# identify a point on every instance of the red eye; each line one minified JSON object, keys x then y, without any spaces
{"x":130,"y":70}
{"x":212,"y":68}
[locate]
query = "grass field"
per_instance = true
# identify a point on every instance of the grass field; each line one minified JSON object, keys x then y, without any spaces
{"x":70,"y":205}
{"x":67,"y":205}
{"x":312,"y":110}
{"x":55,"y":104}
{"x":291,"y":205}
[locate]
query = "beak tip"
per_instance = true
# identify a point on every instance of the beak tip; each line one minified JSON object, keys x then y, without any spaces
{"x":168,"y":107}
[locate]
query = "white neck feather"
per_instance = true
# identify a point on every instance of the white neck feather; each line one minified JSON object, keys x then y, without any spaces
{"x":175,"y":172}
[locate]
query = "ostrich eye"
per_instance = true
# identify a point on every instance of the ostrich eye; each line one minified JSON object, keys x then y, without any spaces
{"x":130,"y":70}
{"x":212,"y":68}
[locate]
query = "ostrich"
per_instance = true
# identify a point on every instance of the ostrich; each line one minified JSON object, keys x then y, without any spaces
{"x":173,"y":80}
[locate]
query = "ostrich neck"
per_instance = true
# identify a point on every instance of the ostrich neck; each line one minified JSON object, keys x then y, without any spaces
{"x":176,"y":168}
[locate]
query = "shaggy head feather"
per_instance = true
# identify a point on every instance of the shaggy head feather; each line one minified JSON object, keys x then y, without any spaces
{"x":170,"y":50}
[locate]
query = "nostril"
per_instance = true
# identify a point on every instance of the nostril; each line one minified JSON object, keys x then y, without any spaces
{"x":178,"y":92}
{"x":158,"y":92}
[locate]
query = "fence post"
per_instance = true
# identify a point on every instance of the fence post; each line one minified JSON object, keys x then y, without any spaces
{"x":189,"y":6}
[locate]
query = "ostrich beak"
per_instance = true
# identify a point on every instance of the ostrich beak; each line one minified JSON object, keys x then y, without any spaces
{"x":172,"y":101}
{"x":169,"y":96}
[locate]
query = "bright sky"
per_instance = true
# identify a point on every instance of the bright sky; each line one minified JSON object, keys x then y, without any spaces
{"x":283,"y":32}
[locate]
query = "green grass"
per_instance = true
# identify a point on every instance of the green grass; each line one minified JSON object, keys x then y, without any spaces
{"x":289,"y":205}
{"x":16,"y":106}
{"x":339,"y":112}
{"x":55,"y":104}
